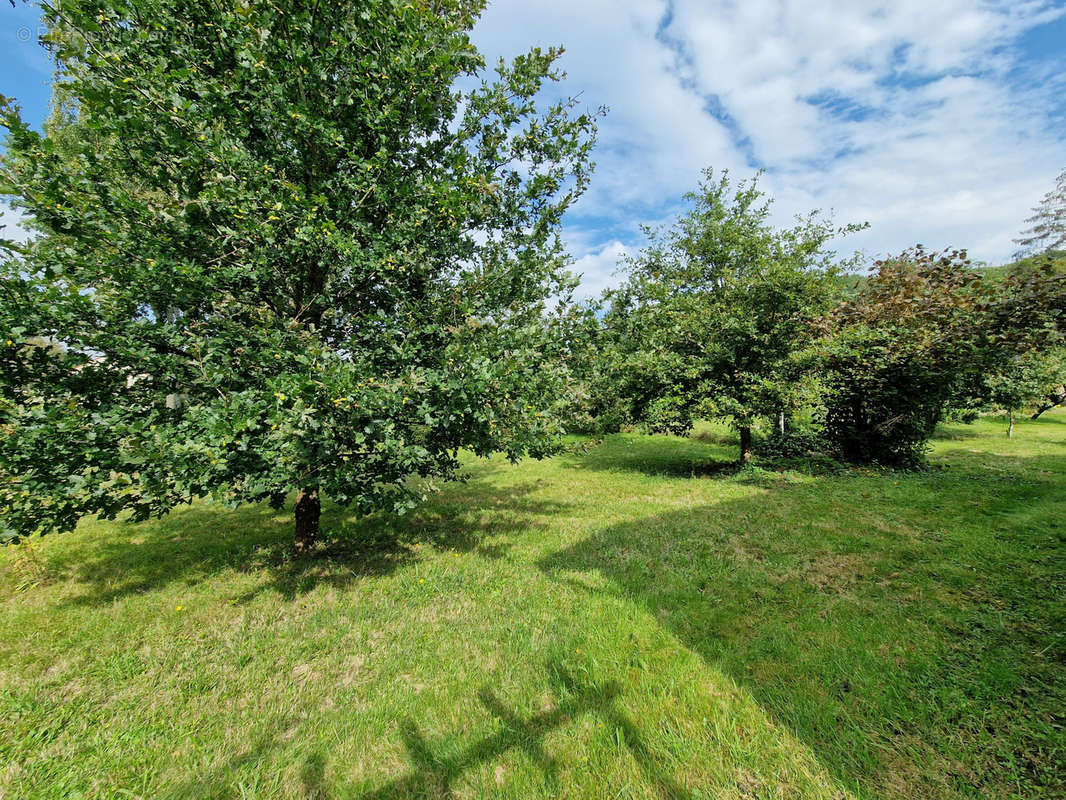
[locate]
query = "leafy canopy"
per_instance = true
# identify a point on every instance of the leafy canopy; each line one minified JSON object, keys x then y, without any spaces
{"x":276,"y":249}
{"x":717,"y":309}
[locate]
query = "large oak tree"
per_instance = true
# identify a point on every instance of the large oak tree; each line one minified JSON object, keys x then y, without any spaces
{"x":277,"y":250}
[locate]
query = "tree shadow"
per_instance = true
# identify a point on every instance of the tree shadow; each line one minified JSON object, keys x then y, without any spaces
{"x":913,"y":640}
{"x":195,"y":543}
{"x":218,"y":782}
{"x":435,"y":771}
{"x":436,"y":767}
{"x":313,"y":777}
{"x":207,"y":784}
{"x":658,"y":455}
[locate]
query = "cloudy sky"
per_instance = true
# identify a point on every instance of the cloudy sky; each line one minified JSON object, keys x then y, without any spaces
{"x":938,"y":122}
{"x":941,"y":122}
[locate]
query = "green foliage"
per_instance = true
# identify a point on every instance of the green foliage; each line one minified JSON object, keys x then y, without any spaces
{"x":1025,"y":379}
{"x":716,"y":311}
{"x":669,"y":414}
{"x":1055,"y":260}
{"x":281,"y":251}
{"x":1032,"y":379}
{"x":920,"y":334}
{"x":578,"y":333}
{"x":794,"y":444}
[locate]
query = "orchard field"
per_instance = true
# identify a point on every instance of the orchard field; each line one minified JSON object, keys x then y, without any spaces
{"x":361,"y":438}
{"x":627,"y":619}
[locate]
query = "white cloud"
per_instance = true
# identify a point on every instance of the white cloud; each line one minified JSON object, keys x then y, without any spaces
{"x":914,"y":116}
{"x":597,"y":268}
{"x":656,"y":128}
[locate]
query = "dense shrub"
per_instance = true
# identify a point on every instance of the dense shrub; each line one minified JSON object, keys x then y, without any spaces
{"x":883,"y":397}
{"x":918,"y":336}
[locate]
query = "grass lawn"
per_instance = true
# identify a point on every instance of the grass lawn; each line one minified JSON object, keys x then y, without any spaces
{"x":624,"y":622}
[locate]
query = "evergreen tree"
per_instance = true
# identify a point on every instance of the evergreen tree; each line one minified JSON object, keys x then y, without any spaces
{"x":1048,"y":223}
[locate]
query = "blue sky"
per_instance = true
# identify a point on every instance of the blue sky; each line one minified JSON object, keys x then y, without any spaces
{"x":937,"y":122}
{"x":23,"y":64}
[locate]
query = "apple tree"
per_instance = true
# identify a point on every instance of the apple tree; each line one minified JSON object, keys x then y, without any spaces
{"x":716,"y":313}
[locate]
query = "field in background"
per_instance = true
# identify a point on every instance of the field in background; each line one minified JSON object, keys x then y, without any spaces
{"x":628,"y":622}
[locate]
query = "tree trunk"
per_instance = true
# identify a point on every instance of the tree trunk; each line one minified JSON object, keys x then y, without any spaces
{"x":745,"y":444}
{"x":1010,"y":423}
{"x":781,"y":422}
{"x":308,"y":511}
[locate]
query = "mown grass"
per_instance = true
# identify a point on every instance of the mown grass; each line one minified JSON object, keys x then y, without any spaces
{"x":629,"y":622}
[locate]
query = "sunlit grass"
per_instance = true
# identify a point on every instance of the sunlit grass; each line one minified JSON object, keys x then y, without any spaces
{"x":631,"y":621}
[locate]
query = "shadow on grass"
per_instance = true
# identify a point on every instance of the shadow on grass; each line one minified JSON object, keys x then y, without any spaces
{"x":715,"y":436}
{"x":908,"y":631}
{"x":660,"y":456}
{"x":956,"y":433}
{"x":435,"y":770}
{"x":195,"y":543}
{"x":436,"y":767}
{"x":207,"y":783}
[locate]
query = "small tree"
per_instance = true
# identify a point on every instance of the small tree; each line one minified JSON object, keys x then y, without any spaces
{"x":1031,"y":369}
{"x":717,"y":309}
{"x":1047,"y":231}
{"x":1051,"y":372}
{"x":1024,"y":379}
{"x":282,"y":253}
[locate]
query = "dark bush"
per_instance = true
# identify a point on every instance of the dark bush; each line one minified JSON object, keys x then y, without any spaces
{"x":794,"y":444}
